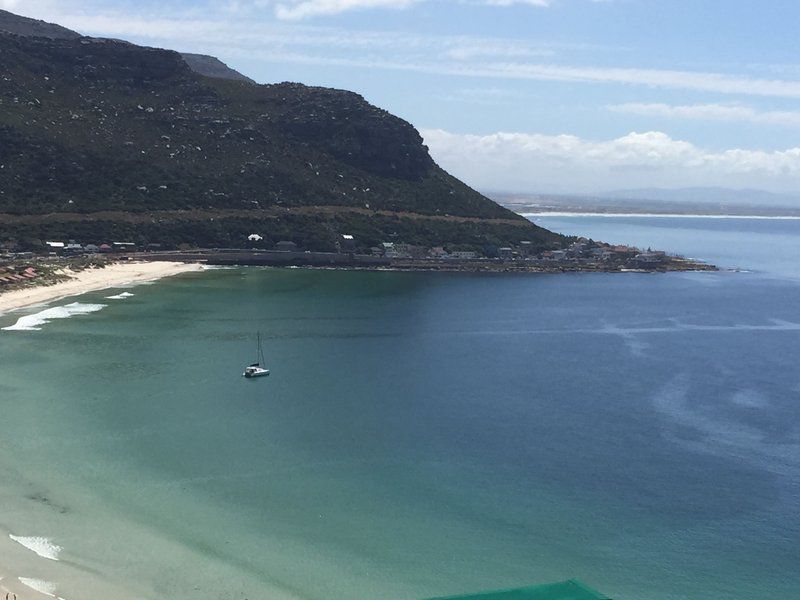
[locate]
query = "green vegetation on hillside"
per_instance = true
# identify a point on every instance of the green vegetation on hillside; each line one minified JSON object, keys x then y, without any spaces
{"x":92,"y":125}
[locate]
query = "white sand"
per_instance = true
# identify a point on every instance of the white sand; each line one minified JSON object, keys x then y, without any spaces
{"x":91,"y":280}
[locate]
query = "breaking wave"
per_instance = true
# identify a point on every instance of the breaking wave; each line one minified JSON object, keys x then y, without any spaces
{"x":35,"y":321}
{"x":42,"y":546}
{"x":121,"y":296}
{"x":48,"y":588}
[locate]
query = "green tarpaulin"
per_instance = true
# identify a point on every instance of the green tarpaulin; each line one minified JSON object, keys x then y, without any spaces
{"x":565,"y":590}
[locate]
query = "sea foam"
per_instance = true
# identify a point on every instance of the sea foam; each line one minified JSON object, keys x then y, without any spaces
{"x":121,"y":296}
{"x":48,"y":588}
{"x":42,"y":546}
{"x":35,"y":321}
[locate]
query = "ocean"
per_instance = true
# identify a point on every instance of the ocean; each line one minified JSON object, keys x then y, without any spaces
{"x":420,"y":434}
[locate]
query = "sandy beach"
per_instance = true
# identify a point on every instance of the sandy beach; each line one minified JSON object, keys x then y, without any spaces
{"x":90,"y":280}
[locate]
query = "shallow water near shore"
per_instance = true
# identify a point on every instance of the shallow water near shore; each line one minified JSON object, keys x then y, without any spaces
{"x":421,"y":434}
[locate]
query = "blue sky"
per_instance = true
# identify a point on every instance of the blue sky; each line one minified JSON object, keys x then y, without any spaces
{"x":559,"y":96}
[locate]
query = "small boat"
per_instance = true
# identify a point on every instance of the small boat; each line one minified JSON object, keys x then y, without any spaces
{"x":256,"y":370}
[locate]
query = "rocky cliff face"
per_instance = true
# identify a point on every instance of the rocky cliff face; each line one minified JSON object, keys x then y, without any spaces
{"x":344,"y":125}
{"x":90,"y":126}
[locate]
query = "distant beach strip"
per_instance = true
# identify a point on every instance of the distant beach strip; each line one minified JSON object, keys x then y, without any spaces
{"x":530,"y":215}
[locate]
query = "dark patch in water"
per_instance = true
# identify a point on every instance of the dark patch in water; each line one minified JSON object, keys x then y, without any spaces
{"x":42,"y":498}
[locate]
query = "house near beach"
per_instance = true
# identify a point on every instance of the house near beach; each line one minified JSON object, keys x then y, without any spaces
{"x":649,"y":259}
{"x":410,"y":251}
{"x":347,"y":243}
{"x":388,"y":250}
{"x":9,"y":276}
{"x":123,"y":246}
{"x":463,"y":255}
{"x":73,"y":248}
{"x":55,"y":247}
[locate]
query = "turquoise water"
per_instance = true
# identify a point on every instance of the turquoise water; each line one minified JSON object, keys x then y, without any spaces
{"x":420,"y":434}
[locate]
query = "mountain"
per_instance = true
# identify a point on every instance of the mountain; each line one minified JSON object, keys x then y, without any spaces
{"x":102,"y":139}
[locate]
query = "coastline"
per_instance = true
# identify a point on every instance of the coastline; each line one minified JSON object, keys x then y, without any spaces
{"x":91,"y":280}
{"x":332,"y":260}
{"x":567,"y":213}
{"x":146,"y":268}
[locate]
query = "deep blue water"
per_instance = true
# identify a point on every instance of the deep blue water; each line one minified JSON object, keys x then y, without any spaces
{"x":422,"y":434}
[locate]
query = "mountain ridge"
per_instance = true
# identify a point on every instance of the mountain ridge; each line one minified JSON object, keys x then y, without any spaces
{"x":25,"y":26}
{"x":203,"y":64}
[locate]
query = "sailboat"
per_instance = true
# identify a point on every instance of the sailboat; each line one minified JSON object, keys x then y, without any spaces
{"x":256,"y":370}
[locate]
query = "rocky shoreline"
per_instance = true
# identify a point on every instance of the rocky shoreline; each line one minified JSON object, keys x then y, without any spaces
{"x":665,"y":263}
{"x":677,"y":264}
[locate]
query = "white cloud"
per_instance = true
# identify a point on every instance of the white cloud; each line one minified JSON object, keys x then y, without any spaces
{"x":292,"y":10}
{"x":566,"y":163}
{"x":301,"y":9}
{"x":543,"y":3}
{"x":710,"y":112}
{"x":466,"y":48}
{"x":693,"y":80}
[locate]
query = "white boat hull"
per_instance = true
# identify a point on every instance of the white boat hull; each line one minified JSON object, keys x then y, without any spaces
{"x":251,"y":372}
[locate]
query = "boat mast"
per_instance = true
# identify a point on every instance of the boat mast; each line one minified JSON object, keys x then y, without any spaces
{"x":261,"y":360}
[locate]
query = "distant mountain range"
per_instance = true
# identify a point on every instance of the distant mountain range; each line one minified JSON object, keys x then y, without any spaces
{"x":705,"y":200}
{"x":103,"y":139}
{"x":710,"y":195}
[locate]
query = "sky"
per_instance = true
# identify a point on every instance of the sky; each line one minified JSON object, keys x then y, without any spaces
{"x":529,"y":96}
